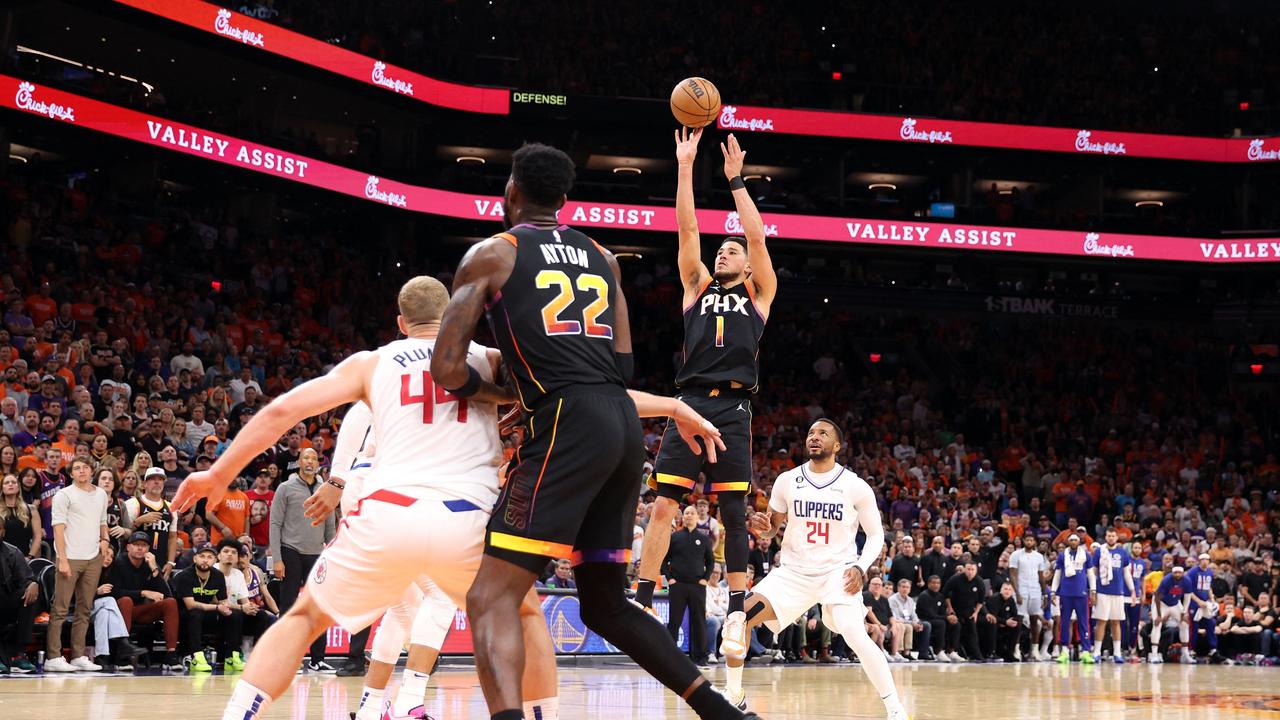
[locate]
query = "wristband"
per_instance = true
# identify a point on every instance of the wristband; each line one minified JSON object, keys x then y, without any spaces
{"x":737,"y":183}
{"x":335,"y":483}
{"x":470,"y":387}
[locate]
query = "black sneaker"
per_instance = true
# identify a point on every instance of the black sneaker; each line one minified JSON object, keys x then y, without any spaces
{"x":352,"y":668}
{"x":319,"y":667}
{"x":21,"y":665}
{"x":172,"y":662}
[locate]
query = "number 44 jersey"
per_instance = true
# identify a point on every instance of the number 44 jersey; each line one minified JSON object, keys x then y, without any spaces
{"x":822,"y":516}
{"x":553,"y":318}
{"x":427,"y":437}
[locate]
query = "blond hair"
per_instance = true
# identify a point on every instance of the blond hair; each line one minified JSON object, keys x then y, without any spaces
{"x":422,"y":300}
{"x":21,"y":510}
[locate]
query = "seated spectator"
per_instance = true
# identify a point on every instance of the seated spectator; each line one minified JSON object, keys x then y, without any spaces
{"x":931,"y":607}
{"x":18,"y":595}
{"x":911,"y":635}
{"x":20,"y":519}
{"x":563,"y":576}
{"x":1003,"y":624}
{"x":878,"y":615}
{"x":110,"y":632}
{"x":717,"y":610}
{"x":206,"y":607}
{"x":256,"y":620}
{"x":143,"y":596}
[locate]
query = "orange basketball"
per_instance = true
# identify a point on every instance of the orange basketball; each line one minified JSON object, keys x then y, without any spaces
{"x":695,"y":102}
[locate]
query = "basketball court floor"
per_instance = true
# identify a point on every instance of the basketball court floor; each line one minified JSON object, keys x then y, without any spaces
{"x":618,"y":691}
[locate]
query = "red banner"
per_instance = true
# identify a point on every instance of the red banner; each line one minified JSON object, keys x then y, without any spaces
{"x":286,"y":43}
{"x":1084,"y":141}
{"x":125,"y":123}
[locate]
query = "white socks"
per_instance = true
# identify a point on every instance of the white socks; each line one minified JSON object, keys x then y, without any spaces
{"x":544,"y":709}
{"x":413,"y":688}
{"x":247,"y":702}
{"x":370,"y":703}
{"x":872,"y":658}
{"x":1115,"y":648}
{"x":734,"y":683}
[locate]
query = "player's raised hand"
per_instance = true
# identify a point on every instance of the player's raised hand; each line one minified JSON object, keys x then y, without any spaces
{"x":734,"y":157}
{"x":507,"y":423}
{"x":199,"y":484}
{"x":693,"y":427}
{"x":687,"y":145}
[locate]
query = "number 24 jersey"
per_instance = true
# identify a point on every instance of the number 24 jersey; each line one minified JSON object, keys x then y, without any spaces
{"x":822,"y":517}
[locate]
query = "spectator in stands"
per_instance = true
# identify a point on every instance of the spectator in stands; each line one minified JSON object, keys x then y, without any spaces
{"x":80,"y":537}
{"x":110,"y":632}
{"x":296,"y":543}
{"x":1003,"y":624}
{"x":199,"y":536}
{"x":143,"y":596}
{"x":20,"y":519}
{"x":965,"y":593}
{"x":206,"y":607}
{"x":879,"y":616}
{"x":717,"y":610}
{"x":931,"y":607}
{"x":911,"y":634}
{"x":256,"y":623}
{"x":18,"y":595}
{"x":260,"y":498}
{"x":119,"y":524}
{"x":562,"y":578}
{"x":906,"y":566}
{"x":152,"y":514}
{"x":229,"y":518}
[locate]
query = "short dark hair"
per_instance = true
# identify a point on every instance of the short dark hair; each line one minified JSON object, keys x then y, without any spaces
{"x":934,"y":577}
{"x":832,"y":423}
{"x":229,"y":542}
{"x":543,"y":173}
{"x":739,"y":240}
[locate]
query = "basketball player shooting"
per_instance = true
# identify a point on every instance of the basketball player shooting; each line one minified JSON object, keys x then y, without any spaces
{"x":823,"y":504}
{"x":556,"y":306}
{"x":724,"y":317}
{"x":423,"y":508}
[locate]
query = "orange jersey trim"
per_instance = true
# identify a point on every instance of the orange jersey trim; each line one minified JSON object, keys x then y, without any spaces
{"x":529,"y":546}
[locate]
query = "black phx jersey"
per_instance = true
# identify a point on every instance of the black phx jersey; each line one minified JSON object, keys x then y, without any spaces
{"x":553,"y":319}
{"x":722,"y":330}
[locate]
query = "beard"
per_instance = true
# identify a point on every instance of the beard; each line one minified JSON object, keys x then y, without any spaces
{"x":726,"y":276}
{"x":822,"y":454}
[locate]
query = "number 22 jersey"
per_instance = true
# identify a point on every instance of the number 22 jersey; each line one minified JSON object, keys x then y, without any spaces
{"x":554,"y":317}
{"x":822,"y":517}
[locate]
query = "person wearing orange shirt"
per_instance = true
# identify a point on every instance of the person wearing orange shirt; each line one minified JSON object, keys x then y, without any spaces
{"x":1062,"y":490}
{"x":230,"y":517}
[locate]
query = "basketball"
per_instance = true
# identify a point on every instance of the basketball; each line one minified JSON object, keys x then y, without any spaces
{"x":695,"y":102}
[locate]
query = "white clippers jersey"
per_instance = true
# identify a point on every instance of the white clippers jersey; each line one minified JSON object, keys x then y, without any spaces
{"x":822,"y":517}
{"x":355,"y":444}
{"x":427,"y":437}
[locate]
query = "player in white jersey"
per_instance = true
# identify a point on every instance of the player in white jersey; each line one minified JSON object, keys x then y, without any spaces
{"x":824,"y":504}
{"x":425,"y":505}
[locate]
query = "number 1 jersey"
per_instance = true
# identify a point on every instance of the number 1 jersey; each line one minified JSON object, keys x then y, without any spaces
{"x":822,"y":517}
{"x":427,"y":437}
{"x":553,"y":319}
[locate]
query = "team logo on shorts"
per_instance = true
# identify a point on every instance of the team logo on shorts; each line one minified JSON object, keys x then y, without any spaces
{"x":322,"y":570}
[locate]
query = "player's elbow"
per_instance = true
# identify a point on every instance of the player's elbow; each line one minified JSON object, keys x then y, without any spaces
{"x":446,"y":370}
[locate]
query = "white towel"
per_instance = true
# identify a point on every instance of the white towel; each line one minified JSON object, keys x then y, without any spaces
{"x":1104,"y":565}
{"x":1075,"y":564}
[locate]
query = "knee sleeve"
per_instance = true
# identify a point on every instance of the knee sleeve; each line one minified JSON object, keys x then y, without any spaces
{"x":733,"y":515}
{"x":435,"y":617}
{"x":394,"y":630}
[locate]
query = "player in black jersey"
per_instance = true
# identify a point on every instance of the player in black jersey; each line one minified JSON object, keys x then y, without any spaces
{"x":555,"y":304}
{"x":724,"y":317}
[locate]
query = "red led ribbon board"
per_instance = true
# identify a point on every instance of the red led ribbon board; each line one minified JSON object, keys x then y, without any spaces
{"x":72,"y":109}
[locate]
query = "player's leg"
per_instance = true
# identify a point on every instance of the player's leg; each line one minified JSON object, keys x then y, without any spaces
{"x":541,"y":694}
{"x":730,"y":479}
{"x":493,"y":607}
{"x":385,"y":652}
{"x":275,"y":660}
{"x":431,"y":623}
{"x":849,"y":620}
{"x":676,"y":470}
{"x":758,"y":611}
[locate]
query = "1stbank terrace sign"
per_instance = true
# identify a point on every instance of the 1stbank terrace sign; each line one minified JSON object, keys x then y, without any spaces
{"x":26,"y":100}
{"x":222,"y":25}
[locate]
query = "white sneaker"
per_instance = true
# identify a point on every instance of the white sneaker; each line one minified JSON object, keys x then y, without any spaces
{"x":733,"y":636}
{"x":1154,"y":658}
{"x":83,"y":663}
{"x":888,"y":657}
{"x":900,"y":659}
{"x":739,"y":700}
{"x":713,"y":660}
{"x":942,"y":657}
{"x":898,"y":713}
{"x":955,"y":657}
{"x":58,"y":665}
{"x":1035,"y":654}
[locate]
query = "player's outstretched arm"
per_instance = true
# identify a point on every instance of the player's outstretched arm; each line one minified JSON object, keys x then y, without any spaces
{"x":481,"y":273}
{"x":693,"y":274}
{"x":762,"y":274}
{"x":345,"y":383}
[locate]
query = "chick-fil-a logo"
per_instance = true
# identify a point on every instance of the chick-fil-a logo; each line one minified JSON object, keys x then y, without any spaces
{"x":729,"y":119}
{"x":373,"y":192}
{"x":26,"y":100}
{"x":733,"y":226}
{"x":908,"y":131}
{"x":1258,"y":151}
{"x":1085,"y":144}
{"x":222,"y":25}
{"x":1093,"y":247}
{"x":395,"y":85}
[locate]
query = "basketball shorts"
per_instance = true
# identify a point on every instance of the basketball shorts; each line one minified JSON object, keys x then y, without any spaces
{"x":792,"y":593}
{"x":394,"y":538}
{"x":1032,"y":604}
{"x":1109,"y":607}
{"x":573,"y":484}
{"x":1171,"y":613}
{"x":677,"y":468}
